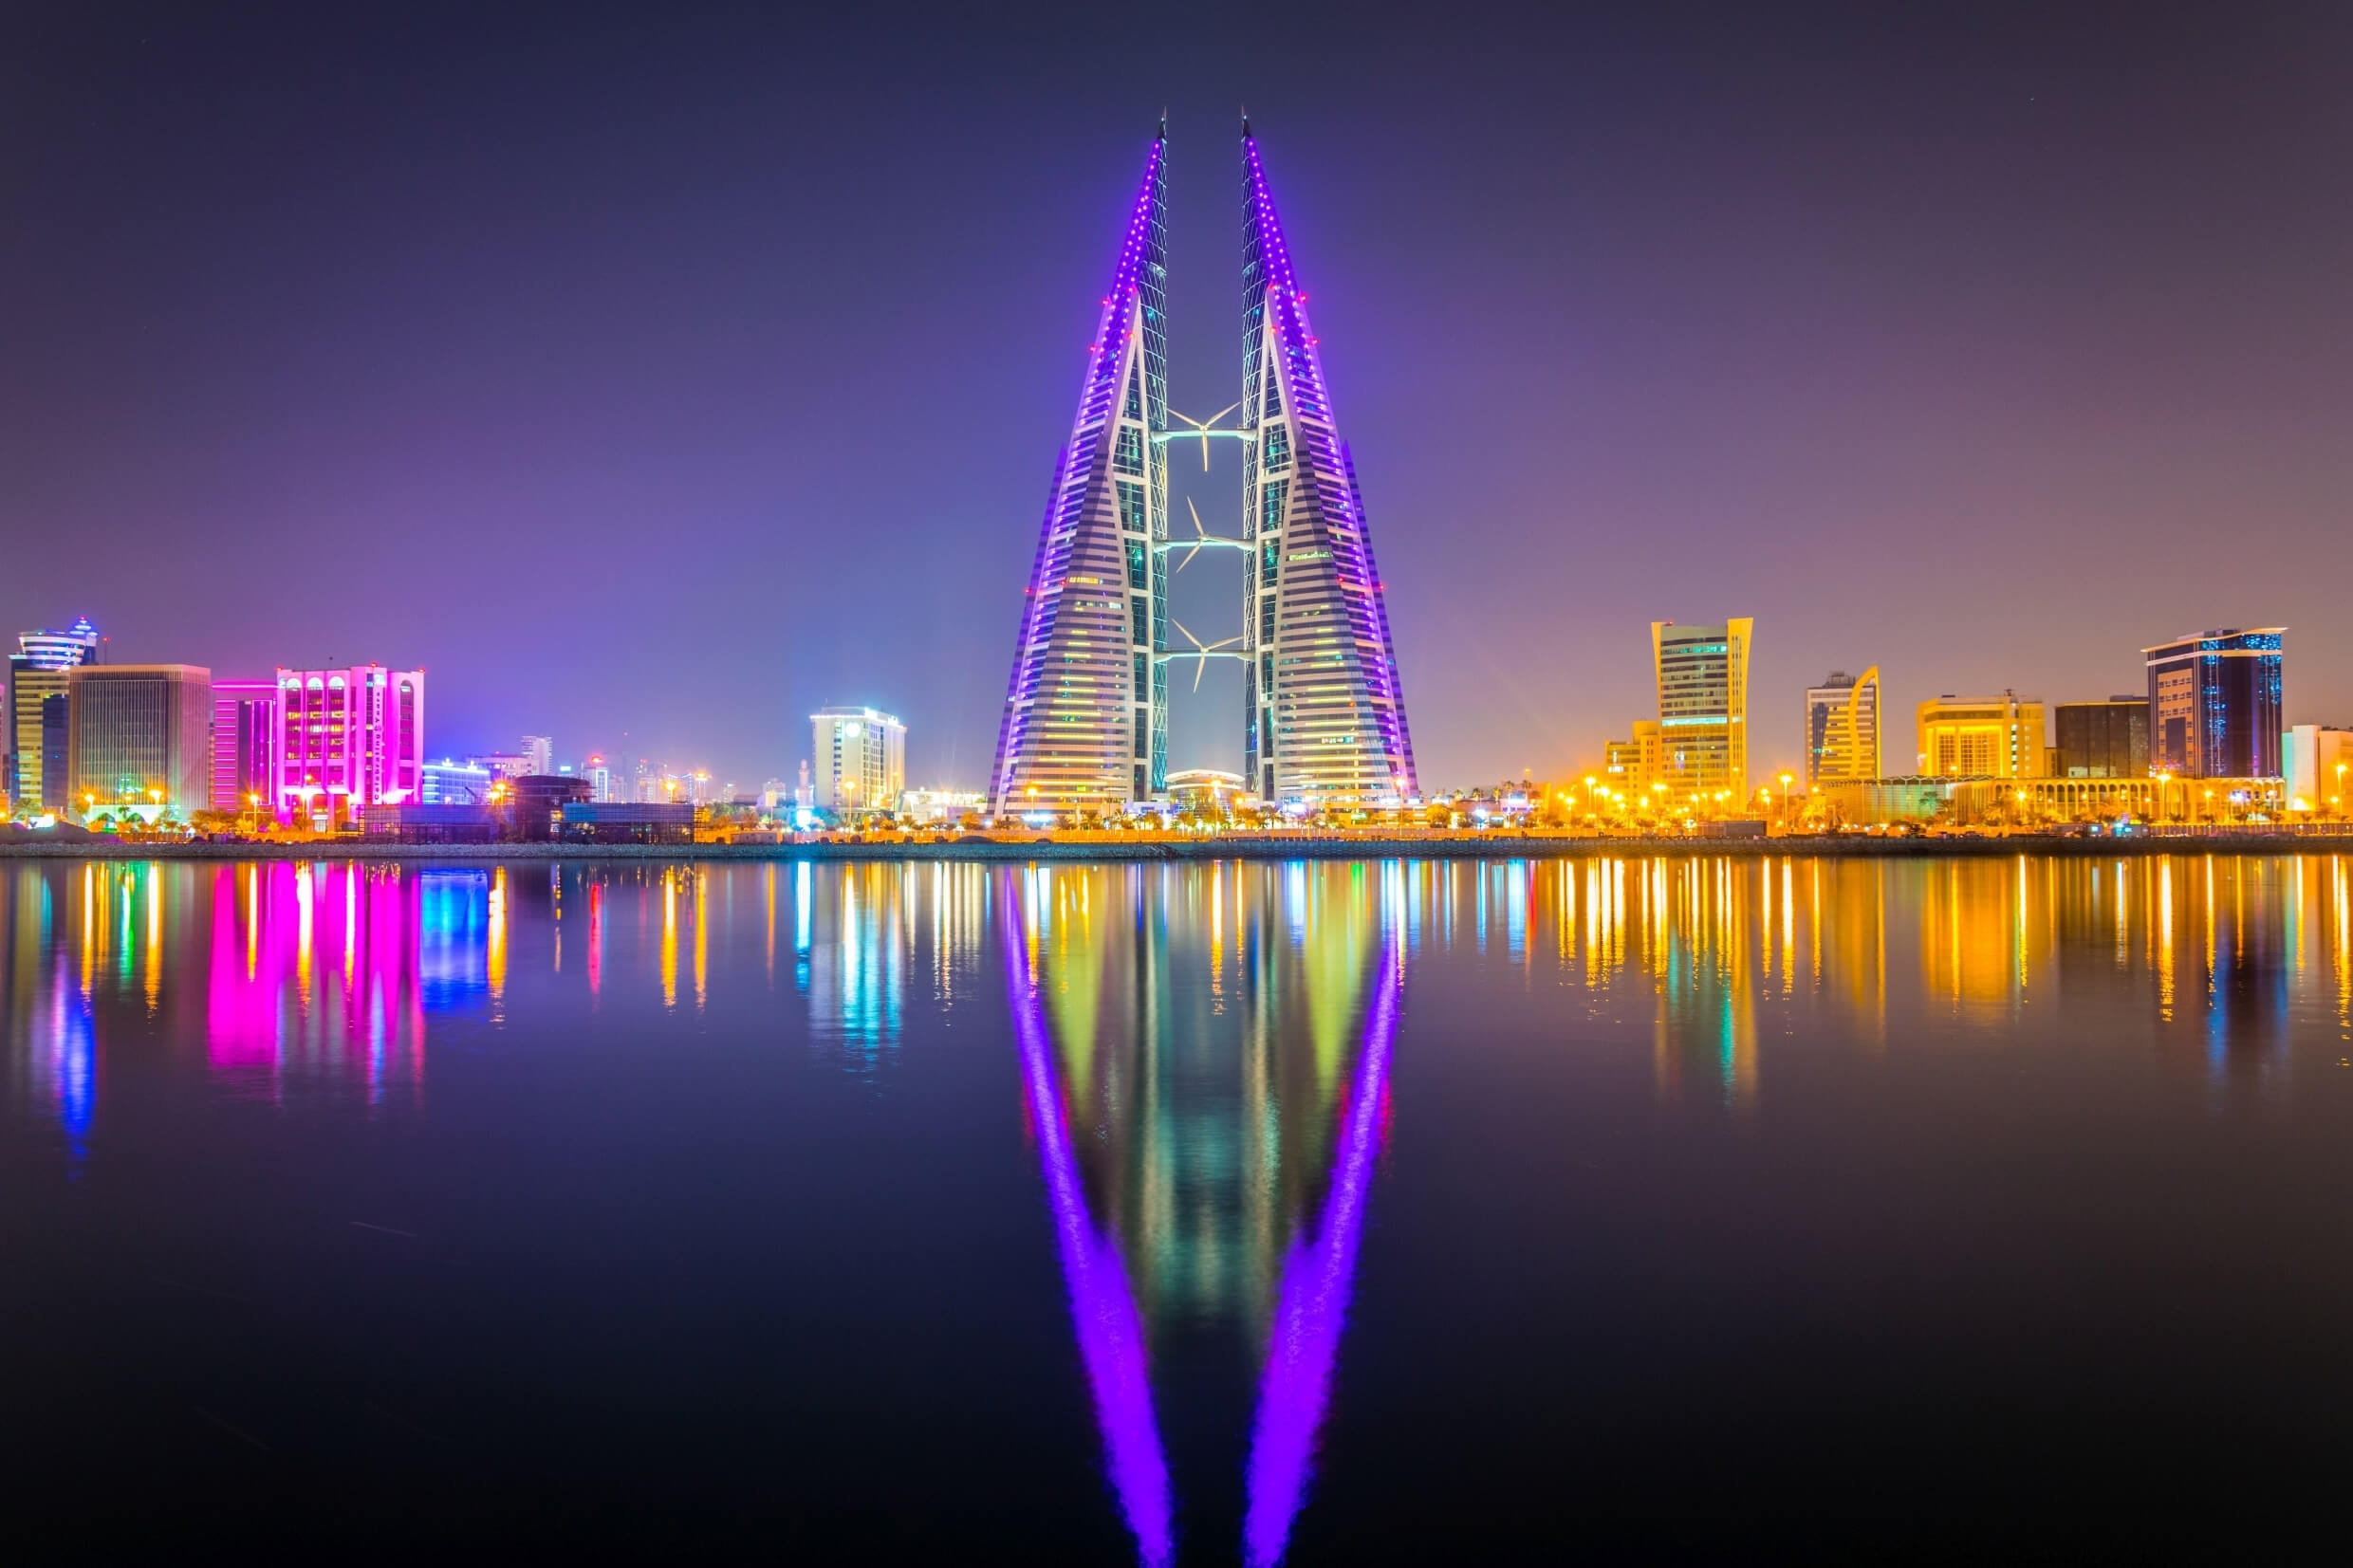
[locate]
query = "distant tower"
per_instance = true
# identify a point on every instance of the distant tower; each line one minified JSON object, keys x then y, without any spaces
{"x":1085,"y":713}
{"x":1842,"y":728}
{"x":1323,"y":718}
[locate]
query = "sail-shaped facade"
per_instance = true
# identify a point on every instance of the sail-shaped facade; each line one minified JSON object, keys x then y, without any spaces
{"x":1085,"y":721}
{"x":1324,"y":718}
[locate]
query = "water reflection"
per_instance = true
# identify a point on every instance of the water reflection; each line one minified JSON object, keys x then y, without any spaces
{"x":1204,"y":1052}
{"x":1207,"y":1139}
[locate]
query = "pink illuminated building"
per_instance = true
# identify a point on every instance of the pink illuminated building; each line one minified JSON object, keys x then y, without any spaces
{"x":244,"y":737}
{"x":347,"y":739}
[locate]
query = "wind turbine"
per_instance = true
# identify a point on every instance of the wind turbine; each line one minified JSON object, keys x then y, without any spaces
{"x":1201,"y":428}
{"x":1200,"y":532}
{"x":1201,"y":650}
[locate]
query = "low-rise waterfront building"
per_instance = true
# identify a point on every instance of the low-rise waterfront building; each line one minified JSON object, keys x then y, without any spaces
{"x":1997,"y":737}
{"x":2316,"y":764}
{"x":448,"y":783}
{"x":415,"y":823}
{"x":2102,"y":740}
{"x":924,"y":806}
{"x":629,"y":822}
{"x":534,"y":804}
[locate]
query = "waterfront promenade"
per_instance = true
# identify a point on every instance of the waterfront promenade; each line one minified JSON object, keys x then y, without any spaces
{"x":1240,"y":846}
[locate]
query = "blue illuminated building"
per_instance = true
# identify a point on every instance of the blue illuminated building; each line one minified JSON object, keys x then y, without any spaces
{"x":2214,"y":705}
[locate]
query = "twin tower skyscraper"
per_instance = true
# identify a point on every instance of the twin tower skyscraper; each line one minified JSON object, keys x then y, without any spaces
{"x":1085,"y":722}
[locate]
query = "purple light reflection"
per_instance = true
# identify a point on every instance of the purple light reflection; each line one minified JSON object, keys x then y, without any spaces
{"x":1312,"y":1306}
{"x":1103,"y":1308}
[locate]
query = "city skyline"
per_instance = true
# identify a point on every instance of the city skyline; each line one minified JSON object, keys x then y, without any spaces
{"x":2055,"y":309}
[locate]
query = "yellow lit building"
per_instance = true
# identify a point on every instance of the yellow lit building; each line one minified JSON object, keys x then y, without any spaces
{"x":1842,"y":728}
{"x":1703,"y":705}
{"x":1999,"y":737}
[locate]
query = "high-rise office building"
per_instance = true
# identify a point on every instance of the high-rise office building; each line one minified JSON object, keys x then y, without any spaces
{"x":1998,"y":737}
{"x":347,"y":739}
{"x":539,"y":755}
{"x":245,"y":738}
{"x":1703,"y":706}
{"x":37,"y":681}
{"x":1325,"y":714}
{"x":2214,"y":704}
{"x":2102,"y":740}
{"x":600,"y":779}
{"x":861,"y":758}
{"x":1086,"y":709}
{"x":139,"y":733}
{"x":1842,"y":728}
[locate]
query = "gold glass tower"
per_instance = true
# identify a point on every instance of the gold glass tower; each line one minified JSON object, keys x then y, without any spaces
{"x":1703,"y":706}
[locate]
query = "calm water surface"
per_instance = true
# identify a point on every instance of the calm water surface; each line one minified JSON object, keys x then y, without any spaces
{"x":1618,"y":1209}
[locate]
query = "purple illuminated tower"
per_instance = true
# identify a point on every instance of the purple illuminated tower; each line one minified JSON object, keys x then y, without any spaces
{"x":1324,"y":718}
{"x":1085,"y":713}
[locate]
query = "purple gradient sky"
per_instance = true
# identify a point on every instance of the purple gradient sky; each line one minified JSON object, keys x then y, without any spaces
{"x":674,"y":374}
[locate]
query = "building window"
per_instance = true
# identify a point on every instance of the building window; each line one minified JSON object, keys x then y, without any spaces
{"x":1140,"y":689}
{"x":1129,"y":458}
{"x":1266,"y":617}
{"x":1134,"y":409}
{"x":1131,"y":507}
{"x":1136,"y":563}
{"x":1270,"y":559}
{"x":1274,"y":497}
{"x":1278,"y":451}
{"x":1141,"y":622}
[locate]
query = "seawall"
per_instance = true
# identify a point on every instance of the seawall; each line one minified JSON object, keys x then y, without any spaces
{"x":1483,"y":847}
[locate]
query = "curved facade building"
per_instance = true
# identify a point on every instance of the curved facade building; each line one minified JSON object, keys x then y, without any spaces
{"x":1085,"y":719}
{"x":1324,"y":718}
{"x":1086,"y":713}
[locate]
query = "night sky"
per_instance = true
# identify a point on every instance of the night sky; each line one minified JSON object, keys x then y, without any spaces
{"x":672,"y":372}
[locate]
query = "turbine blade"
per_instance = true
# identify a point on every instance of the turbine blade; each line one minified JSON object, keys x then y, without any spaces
{"x":1221,"y":413}
{"x":1181,"y":626}
{"x":1198,"y":665}
{"x":1197,"y":516}
{"x":1187,"y":560}
{"x":1221,"y":642}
